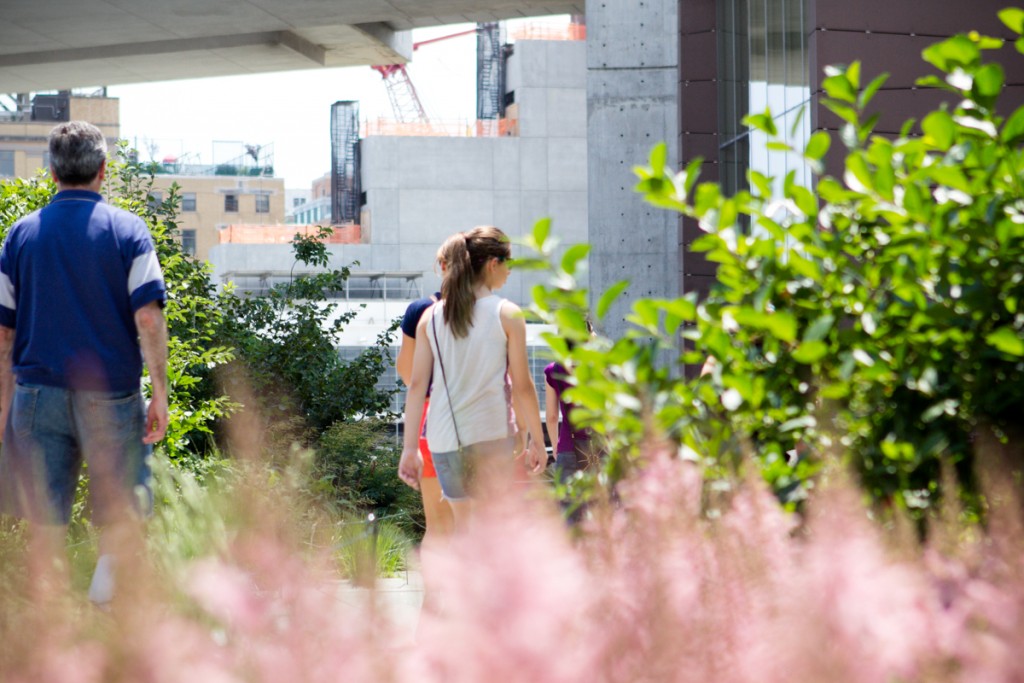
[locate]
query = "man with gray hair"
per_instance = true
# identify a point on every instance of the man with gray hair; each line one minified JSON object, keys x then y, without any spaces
{"x":81,"y":306}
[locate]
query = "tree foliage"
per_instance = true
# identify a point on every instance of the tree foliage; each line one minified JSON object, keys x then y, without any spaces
{"x":288,"y":341}
{"x":192,"y":311}
{"x":877,"y":316}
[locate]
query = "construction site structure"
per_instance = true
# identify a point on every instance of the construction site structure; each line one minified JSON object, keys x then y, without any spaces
{"x":405,"y":101}
{"x":490,"y":71}
{"x":345,"y":187}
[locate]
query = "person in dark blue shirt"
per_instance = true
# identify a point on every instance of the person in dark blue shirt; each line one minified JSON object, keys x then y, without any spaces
{"x":81,"y":307}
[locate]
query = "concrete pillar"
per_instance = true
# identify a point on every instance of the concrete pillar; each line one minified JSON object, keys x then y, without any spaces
{"x":632,"y":90}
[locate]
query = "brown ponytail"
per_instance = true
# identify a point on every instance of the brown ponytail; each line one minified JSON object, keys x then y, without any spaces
{"x":464,"y":256}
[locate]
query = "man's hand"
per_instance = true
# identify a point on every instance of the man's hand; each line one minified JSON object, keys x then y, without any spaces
{"x":156,"y":420}
{"x":152,"y":326}
{"x":6,"y":376}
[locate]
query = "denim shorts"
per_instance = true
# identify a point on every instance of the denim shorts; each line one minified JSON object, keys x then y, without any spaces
{"x":454,"y":467}
{"x":51,"y":431}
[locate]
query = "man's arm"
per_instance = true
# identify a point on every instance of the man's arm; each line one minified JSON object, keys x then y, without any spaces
{"x":6,"y":375}
{"x":152,"y":326}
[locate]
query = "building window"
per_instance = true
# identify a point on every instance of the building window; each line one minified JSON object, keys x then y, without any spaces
{"x":231,"y":203}
{"x":762,"y":62}
{"x":188,"y":201}
{"x":263,"y":203}
{"x":155,"y":198}
{"x":188,"y":242}
{"x":6,"y":163}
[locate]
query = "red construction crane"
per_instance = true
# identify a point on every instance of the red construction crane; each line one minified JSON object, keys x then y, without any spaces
{"x":405,"y":102}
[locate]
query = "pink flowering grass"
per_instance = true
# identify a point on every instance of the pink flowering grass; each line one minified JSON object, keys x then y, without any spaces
{"x":651,"y":589}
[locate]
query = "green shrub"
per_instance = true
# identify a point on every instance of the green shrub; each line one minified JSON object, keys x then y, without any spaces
{"x":878,"y":316}
{"x":287,"y":342}
{"x":355,"y":470}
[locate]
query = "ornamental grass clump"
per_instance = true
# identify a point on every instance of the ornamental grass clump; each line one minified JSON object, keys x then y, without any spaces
{"x":670,"y":583}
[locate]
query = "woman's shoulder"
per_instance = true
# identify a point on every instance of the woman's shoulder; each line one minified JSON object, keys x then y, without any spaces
{"x":507,"y":309}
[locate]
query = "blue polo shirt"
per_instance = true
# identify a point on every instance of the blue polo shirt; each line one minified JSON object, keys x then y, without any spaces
{"x":72,"y":276}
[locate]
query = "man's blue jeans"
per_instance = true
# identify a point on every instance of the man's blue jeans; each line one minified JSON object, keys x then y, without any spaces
{"x":51,"y":431}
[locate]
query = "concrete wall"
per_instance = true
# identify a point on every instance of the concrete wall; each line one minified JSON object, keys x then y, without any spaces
{"x":420,"y":190}
{"x":632,"y":83}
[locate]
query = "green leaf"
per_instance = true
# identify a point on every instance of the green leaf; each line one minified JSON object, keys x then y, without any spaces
{"x":853,"y":74}
{"x":857,"y":175}
{"x":819,"y":328}
{"x":1007,"y":340}
{"x":762,"y":122}
{"x":645,"y":314}
{"x":804,"y":199}
{"x":692,"y":174}
{"x":868,"y":93}
{"x":797,"y":120}
{"x":571,"y":320}
{"x":761,"y":182}
{"x":573,"y":255}
{"x":684,"y":308}
{"x":818,"y":145}
{"x":1013,"y":17}
{"x":839,"y":88}
{"x":810,"y":352}
{"x":988,"y":81}
{"x":956,"y":51}
{"x":781,"y":324}
{"x":659,"y":154}
{"x":1013,"y":129}
{"x":541,"y":231}
{"x":939,"y":129}
{"x":609,"y":297}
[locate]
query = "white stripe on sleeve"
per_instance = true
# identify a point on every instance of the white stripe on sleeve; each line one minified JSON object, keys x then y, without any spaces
{"x":145,"y":268}
{"x":7,"y":299}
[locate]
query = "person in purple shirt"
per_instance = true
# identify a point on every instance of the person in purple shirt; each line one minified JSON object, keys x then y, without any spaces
{"x":573,"y":447}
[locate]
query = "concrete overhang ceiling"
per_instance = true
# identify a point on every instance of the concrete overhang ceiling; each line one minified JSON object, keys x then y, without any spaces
{"x":56,"y":44}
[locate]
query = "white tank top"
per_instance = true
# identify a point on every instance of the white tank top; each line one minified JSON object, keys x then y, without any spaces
{"x":476,"y":367}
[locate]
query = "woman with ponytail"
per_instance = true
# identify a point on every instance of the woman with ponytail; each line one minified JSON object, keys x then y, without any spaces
{"x":470,"y":342}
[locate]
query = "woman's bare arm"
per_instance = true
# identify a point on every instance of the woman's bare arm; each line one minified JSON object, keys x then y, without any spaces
{"x":524,"y":392}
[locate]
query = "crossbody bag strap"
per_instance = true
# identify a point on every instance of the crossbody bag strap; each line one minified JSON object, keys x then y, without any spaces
{"x":444,"y":378}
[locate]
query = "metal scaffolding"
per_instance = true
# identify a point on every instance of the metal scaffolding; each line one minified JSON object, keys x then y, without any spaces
{"x":345,"y":187}
{"x":490,"y":71}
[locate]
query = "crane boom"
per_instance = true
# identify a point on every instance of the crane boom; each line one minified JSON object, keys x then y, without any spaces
{"x":405,"y":101}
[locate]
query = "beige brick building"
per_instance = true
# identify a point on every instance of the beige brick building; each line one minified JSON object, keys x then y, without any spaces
{"x":212,"y":196}
{"x":24,"y":130}
{"x":210,"y":203}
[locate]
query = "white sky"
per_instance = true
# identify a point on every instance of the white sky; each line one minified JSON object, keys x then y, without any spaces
{"x":208,"y":118}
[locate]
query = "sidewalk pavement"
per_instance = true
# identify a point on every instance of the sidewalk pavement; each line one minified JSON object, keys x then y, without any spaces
{"x":399,"y":598}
